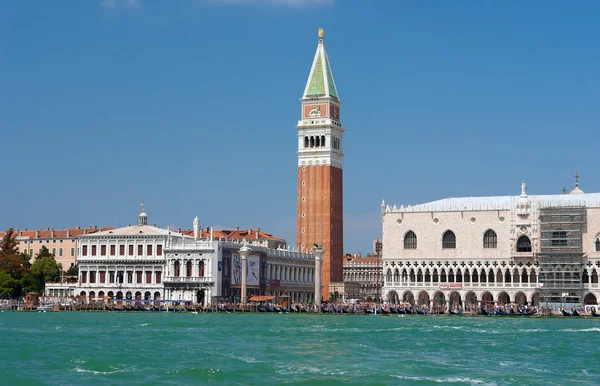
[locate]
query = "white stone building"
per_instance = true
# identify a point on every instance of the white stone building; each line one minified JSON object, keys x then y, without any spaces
{"x":367,"y":275}
{"x":125,"y":263}
{"x":485,"y":250}
{"x":204,"y":270}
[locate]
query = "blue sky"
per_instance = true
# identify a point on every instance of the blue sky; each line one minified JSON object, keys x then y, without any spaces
{"x":191,"y":106}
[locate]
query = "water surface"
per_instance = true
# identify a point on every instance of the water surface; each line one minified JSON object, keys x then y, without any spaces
{"x":69,"y":348}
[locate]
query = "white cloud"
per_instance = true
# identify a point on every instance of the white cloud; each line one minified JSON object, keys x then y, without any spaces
{"x":120,"y":3}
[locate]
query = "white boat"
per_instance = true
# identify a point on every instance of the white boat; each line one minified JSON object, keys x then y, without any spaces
{"x":44,"y":308}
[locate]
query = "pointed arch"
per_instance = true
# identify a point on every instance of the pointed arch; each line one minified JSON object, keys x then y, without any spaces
{"x":523,"y":244}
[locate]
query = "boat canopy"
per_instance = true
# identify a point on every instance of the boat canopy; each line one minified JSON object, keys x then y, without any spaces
{"x":261,"y":298}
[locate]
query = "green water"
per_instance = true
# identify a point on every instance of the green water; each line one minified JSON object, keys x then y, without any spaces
{"x":81,"y":348}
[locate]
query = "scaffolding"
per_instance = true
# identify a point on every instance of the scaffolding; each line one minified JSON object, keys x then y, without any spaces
{"x":561,"y":254}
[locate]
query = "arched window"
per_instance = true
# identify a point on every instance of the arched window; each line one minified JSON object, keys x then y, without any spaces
{"x":559,"y":239}
{"x":598,"y":244}
{"x":188,"y":269}
{"x":176,"y":273}
{"x":523,"y":244}
{"x":305,"y":141}
{"x":410,"y":240}
{"x":201,"y":267}
{"x":449,"y":240}
{"x":323,"y":140}
{"x":490,"y":240}
{"x":312,"y":141}
{"x":318,"y":141}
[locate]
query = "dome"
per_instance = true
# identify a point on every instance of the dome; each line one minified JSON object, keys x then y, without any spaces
{"x":576,"y":190}
{"x":143,"y":214}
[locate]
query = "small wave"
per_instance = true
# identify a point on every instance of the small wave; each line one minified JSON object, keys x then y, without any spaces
{"x":143,"y":324}
{"x":593,"y":329}
{"x":536,"y":370}
{"x":96,"y":372}
{"x":470,"y":381}
{"x":533,"y":330}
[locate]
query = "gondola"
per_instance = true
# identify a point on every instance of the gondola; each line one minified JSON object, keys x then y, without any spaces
{"x":502,"y":312}
{"x":423,"y":312}
{"x":456,"y":312}
{"x":386,"y":311}
{"x":565,"y":312}
{"x":410,"y":311}
{"x":595,"y":314}
{"x":575,"y":313}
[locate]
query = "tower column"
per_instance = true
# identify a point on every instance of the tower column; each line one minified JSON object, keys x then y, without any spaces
{"x":318,"y":252}
{"x":244,"y":252}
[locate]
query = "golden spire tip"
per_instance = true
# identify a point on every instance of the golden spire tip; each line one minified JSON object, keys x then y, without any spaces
{"x":321,"y":32}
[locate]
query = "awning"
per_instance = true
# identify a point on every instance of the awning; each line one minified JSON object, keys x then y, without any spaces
{"x":261,"y":298}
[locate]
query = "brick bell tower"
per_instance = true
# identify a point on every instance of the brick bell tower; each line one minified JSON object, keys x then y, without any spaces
{"x":320,"y":155}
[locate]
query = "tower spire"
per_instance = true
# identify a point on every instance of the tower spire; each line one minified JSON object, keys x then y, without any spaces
{"x":320,"y":82}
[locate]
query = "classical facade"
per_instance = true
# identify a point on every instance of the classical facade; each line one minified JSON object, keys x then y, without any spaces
{"x":124,"y":264}
{"x":483,"y":250}
{"x":366,"y":273}
{"x":203,"y":270}
{"x":320,"y":155}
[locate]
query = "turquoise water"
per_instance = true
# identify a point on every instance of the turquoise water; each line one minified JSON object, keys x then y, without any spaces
{"x":77,"y":348}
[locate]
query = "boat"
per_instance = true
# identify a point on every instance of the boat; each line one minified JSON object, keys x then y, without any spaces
{"x":565,"y":312}
{"x":575,"y":313}
{"x":595,"y":314}
{"x":456,"y":312}
{"x":44,"y":308}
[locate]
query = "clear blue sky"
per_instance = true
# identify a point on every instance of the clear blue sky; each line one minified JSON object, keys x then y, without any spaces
{"x":191,"y":106}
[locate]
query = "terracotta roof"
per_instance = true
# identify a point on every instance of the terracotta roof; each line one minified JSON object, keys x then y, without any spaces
{"x":49,"y":233}
{"x":363,"y":260}
{"x":233,"y":234}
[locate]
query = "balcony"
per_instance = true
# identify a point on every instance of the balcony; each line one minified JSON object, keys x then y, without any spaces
{"x":119,"y":285}
{"x":459,"y":286}
{"x":187,"y":279}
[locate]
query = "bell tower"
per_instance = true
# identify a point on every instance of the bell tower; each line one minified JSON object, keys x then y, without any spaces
{"x":320,"y":155}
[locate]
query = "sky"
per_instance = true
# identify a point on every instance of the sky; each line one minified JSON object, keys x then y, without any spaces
{"x":191,"y":106}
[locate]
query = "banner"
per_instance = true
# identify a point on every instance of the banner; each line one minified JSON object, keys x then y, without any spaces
{"x":275,"y":283}
{"x":450,"y":285}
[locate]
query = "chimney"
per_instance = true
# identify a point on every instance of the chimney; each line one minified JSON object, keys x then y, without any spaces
{"x":257,"y":232}
{"x":52,"y":234}
{"x":48,"y":228}
{"x":95,"y":227}
{"x":78,"y":227}
{"x":154,"y":225}
{"x":68,"y":232}
{"x":178,"y":230}
{"x":237,"y":228}
{"x":37,"y":234}
{"x":128,"y":225}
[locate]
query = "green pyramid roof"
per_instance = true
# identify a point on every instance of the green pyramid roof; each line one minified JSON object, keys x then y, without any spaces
{"x":320,"y":80}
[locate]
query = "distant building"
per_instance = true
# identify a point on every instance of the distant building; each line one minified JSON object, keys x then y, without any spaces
{"x":468,"y":251}
{"x":366,"y":273}
{"x":62,"y":243}
{"x":144,"y":263}
{"x":204,"y":271}
{"x":124,"y":263}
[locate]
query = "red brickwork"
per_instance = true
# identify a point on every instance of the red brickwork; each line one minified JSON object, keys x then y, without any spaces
{"x":320,"y":218}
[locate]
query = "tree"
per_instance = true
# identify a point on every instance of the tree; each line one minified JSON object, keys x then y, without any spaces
{"x":73,"y":274}
{"x":8,"y":285}
{"x":44,"y":252}
{"x":44,"y":270}
{"x":9,"y":243}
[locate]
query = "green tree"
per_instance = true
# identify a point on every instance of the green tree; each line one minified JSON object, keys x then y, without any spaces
{"x":44,"y":252}
{"x":44,"y":270}
{"x":9,"y":243}
{"x":8,"y":285}
{"x":72,"y":274}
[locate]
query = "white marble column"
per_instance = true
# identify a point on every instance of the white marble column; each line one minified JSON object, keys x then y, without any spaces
{"x":244,"y":252}
{"x":318,"y":252}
